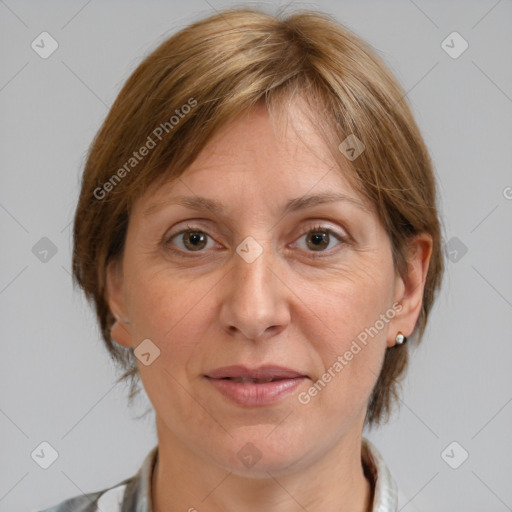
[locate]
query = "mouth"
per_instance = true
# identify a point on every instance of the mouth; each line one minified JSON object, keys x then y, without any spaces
{"x":248,"y":379}
{"x":263,"y":373}
{"x":255,"y":387}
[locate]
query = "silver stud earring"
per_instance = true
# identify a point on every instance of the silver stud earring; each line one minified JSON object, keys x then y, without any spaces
{"x":400,"y":338}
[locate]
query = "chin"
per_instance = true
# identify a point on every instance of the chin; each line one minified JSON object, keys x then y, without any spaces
{"x":256,"y":452}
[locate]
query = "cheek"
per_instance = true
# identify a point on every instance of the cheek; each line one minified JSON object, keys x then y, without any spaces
{"x":167,"y":311}
{"x":349,"y":304}
{"x":350,"y":336}
{"x":170,"y":312}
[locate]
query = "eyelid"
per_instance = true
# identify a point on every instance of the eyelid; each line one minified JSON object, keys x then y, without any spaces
{"x":322,"y":226}
{"x":188,"y":227}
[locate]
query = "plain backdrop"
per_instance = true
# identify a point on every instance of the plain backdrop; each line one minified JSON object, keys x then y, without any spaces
{"x":57,"y":381}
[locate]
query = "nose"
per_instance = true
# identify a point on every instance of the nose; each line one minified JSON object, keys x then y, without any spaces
{"x":255,"y":299}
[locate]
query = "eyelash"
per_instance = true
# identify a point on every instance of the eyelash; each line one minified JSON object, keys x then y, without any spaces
{"x":314,"y":254}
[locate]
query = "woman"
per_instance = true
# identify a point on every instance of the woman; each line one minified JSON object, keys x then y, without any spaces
{"x":257,"y":229}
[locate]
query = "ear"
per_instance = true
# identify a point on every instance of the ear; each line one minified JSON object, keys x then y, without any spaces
{"x":409,"y":289}
{"x":120,"y":330}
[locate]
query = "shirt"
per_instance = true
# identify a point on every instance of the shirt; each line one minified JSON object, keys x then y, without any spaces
{"x":134,"y":494}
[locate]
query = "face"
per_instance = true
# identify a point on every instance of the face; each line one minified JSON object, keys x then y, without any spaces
{"x":235,"y":295}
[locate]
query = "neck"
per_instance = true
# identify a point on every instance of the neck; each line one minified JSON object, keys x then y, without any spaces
{"x":336,"y":482}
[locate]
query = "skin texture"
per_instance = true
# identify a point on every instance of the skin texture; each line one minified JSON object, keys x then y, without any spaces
{"x":209,"y":308}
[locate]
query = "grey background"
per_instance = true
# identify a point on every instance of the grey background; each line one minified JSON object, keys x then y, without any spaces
{"x":57,"y":382}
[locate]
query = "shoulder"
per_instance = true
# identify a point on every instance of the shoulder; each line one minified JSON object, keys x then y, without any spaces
{"x":133,"y":493}
{"x":106,"y":500}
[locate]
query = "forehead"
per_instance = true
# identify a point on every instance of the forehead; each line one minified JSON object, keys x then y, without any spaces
{"x":284,"y":143}
{"x":259,"y":157}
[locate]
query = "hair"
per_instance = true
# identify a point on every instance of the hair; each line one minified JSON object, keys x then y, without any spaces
{"x":201,"y":79}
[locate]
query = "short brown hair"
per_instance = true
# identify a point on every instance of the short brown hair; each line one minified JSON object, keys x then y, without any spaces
{"x":220,"y":67}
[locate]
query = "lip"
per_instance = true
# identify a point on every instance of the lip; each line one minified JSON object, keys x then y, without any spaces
{"x":262,"y":372}
{"x":255,"y":393}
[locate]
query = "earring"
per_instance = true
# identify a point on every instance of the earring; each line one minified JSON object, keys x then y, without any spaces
{"x":400,"y":338}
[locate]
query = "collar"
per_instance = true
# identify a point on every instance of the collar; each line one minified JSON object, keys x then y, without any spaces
{"x":385,"y":493}
{"x":137,"y":496}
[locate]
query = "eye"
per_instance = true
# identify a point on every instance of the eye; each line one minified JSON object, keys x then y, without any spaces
{"x":318,"y":238}
{"x":191,"y":239}
{"x":194,"y":239}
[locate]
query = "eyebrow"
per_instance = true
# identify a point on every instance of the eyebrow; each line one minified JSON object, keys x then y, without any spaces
{"x":293,"y":205}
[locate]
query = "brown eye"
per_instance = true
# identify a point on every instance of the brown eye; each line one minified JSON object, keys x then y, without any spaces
{"x":194,"y":240}
{"x":317,"y":239}
{"x":189,"y":240}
